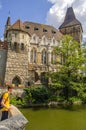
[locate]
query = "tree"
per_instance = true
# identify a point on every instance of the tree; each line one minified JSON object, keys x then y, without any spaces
{"x":69,"y":75}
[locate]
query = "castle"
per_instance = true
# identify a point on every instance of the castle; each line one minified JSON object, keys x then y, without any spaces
{"x":27,"y":51}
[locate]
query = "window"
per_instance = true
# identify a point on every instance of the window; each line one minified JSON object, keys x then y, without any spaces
{"x":15,"y":46}
{"x":22,"y":46}
{"x":53,"y":41}
{"x":44,"y":40}
{"x":53,"y":31}
{"x":44,"y":30}
{"x":53,"y":58}
{"x":35,"y":28}
{"x":34,"y":38}
{"x":44,"y":57}
{"x":27,"y":27}
{"x":33,"y":56}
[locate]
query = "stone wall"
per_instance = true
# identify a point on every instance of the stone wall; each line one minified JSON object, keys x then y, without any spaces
{"x":17,"y":66}
{"x":3,"y":56}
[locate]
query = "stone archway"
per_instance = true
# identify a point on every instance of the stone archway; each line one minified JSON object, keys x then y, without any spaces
{"x":16,"y":80}
{"x":36,"y":77}
{"x":43,"y":78}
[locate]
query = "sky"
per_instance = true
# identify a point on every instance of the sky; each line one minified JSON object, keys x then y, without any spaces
{"x":51,"y":12}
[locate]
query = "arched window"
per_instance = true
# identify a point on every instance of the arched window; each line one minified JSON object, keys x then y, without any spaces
{"x":53,"y":58}
{"x":15,"y":46}
{"x":22,"y":46}
{"x":53,"y":41}
{"x":34,"y":38}
{"x":44,"y":40}
{"x":43,"y":78}
{"x":16,"y":80}
{"x":33,"y":55}
{"x":44,"y":57}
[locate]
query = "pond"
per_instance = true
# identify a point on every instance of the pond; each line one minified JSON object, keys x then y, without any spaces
{"x":56,"y":118}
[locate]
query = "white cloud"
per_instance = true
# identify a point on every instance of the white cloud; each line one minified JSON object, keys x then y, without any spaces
{"x":56,"y":14}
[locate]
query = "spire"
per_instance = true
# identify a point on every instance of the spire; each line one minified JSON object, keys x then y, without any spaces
{"x":70,"y":19}
{"x":8,"y":23}
{"x":69,"y":15}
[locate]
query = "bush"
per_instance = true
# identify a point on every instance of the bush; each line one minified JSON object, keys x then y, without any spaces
{"x":37,"y":94}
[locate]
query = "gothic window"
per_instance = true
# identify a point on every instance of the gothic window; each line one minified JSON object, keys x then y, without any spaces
{"x":44,"y":57}
{"x":53,"y":41}
{"x":44,"y":40}
{"x":22,"y":46}
{"x":53,"y":58}
{"x":16,"y":80}
{"x":33,"y":55}
{"x":15,"y":46}
{"x":34,"y":38}
{"x":43,"y":78}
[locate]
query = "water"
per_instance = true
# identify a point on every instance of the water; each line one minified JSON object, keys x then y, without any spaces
{"x":56,"y":119}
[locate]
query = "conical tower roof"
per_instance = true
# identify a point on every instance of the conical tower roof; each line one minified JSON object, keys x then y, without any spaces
{"x":18,"y":25}
{"x":70,"y":19}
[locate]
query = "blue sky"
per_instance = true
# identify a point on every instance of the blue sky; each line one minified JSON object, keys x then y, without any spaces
{"x":50,"y":12}
{"x":26,"y":10}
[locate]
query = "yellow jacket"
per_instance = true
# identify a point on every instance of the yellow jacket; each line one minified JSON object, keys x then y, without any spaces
{"x":7,"y":101}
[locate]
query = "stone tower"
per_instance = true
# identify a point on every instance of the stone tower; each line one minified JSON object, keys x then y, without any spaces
{"x":71,"y":26}
{"x":17,"y":55}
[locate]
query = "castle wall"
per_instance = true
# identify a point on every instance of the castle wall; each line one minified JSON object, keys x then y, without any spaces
{"x":17,"y":59}
{"x":17,"y":65}
{"x":3,"y":57}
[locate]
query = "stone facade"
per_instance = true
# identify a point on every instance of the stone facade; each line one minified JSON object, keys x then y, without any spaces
{"x":30,"y":48}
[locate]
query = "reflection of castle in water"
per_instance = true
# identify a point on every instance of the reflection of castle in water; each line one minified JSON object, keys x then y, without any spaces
{"x":30,"y":49}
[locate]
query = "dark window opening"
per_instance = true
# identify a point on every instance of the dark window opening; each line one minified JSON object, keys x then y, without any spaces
{"x":27,"y":27}
{"x":22,"y":46}
{"x":36,"y":28}
{"x":53,"y":31}
{"x":44,"y":30}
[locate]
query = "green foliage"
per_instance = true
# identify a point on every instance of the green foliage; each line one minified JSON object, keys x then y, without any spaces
{"x":73,"y":99}
{"x":37,"y":94}
{"x":16,"y":102}
{"x":69,"y":76}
